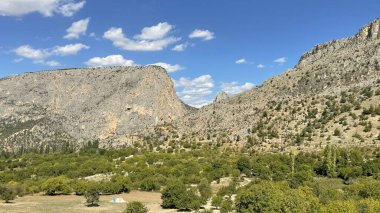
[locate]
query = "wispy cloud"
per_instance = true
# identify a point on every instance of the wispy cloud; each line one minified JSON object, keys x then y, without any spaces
{"x":180,"y":47}
{"x":205,"y":35}
{"x":261,"y":66}
{"x":241,"y":61}
{"x":281,"y":60}
{"x":77,"y":29}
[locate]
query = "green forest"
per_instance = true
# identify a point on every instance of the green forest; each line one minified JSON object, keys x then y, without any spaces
{"x":332,"y":180}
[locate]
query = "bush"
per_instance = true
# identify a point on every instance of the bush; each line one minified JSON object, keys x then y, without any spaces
{"x":172,"y":194}
{"x":176,"y":195}
{"x":217,"y":201}
{"x":276,"y":197}
{"x":149,"y":184}
{"x":7,"y":193}
{"x":57,"y":186}
{"x":226,"y":206}
{"x":136,"y":207}
{"x":204,"y":189}
{"x":92,"y":198}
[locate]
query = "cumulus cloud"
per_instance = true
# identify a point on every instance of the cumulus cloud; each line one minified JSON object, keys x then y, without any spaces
{"x":44,"y":7}
{"x":241,"y":61}
{"x":40,"y":55}
{"x":195,"y":91}
{"x":281,"y":60}
{"x":153,"y":38}
{"x":261,"y":66}
{"x":70,"y":49}
{"x":180,"y":47}
{"x":111,"y":60}
{"x":29,"y":52}
{"x":233,"y":88}
{"x":205,"y":35}
{"x":169,"y":67}
{"x":77,"y":29}
{"x":158,"y":31}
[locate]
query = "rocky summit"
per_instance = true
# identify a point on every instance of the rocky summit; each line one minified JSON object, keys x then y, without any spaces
{"x":52,"y":109}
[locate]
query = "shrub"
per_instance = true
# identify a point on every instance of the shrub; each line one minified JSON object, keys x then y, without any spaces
{"x":92,"y":198}
{"x":176,"y":195}
{"x":56,"y":186}
{"x":7,"y":193}
{"x":136,"y":207}
{"x":276,"y":197}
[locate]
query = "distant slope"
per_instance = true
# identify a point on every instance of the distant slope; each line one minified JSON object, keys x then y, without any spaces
{"x":52,"y":109}
{"x":327,"y":70}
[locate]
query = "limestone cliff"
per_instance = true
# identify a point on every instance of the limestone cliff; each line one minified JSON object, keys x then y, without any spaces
{"x":53,"y":108}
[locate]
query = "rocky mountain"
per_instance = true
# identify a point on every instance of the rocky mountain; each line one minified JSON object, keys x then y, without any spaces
{"x":68,"y":108}
{"x":287,"y":104}
{"x":331,"y":96}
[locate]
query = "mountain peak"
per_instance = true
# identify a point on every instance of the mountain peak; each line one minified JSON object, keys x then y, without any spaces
{"x":221,"y":96}
{"x":370,"y":30}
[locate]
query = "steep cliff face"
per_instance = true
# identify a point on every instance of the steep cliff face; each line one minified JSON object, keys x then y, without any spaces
{"x":328,"y":69}
{"x":53,"y":108}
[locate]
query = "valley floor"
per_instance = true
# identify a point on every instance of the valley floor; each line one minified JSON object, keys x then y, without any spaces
{"x":73,"y":204}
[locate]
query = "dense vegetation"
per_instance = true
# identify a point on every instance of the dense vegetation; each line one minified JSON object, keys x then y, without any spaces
{"x":321,"y":181}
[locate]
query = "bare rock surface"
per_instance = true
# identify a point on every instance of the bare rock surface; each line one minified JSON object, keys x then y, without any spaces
{"x":53,"y":108}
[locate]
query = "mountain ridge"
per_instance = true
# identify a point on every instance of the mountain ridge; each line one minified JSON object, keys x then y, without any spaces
{"x":122,"y":105}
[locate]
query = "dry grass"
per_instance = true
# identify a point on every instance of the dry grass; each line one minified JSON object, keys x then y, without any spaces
{"x":73,"y":204}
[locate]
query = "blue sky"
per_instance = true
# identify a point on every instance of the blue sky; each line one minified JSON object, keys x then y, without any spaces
{"x":207,"y":45}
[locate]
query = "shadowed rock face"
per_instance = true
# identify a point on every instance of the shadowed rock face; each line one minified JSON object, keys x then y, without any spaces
{"x":75,"y":105}
{"x":327,"y":69}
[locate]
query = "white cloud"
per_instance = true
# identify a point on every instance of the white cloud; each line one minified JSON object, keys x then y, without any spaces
{"x":180,"y":47}
{"x":71,"y":8}
{"x":77,"y":29}
{"x":281,"y":60}
{"x":195,"y":91}
{"x":261,"y":66}
{"x":153,"y":38}
{"x":205,"y":35}
{"x":234,"y":88}
{"x":111,"y":60}
{"x":39,"y":55}
{"x":241,"y":61}
{"x":169,"y":67}
{"x":158,"y":31}
{"x":29,"y":52}
{"x":44,"y":7}
{"x":70,"y":49}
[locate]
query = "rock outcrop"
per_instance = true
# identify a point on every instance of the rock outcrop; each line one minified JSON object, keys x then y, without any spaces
{"x":54,"y":108}
{"x":221,"y":96}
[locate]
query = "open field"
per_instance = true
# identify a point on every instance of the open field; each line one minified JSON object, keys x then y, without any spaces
{"x":72,"y":203}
